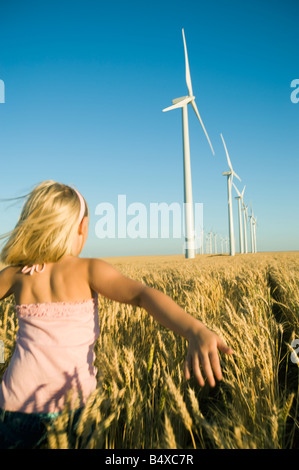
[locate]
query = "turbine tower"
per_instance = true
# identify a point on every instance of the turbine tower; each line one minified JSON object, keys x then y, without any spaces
{"x":252,"y":232}
{"x":215,"y":242}
{"x":230,"y":174}
{"x":240,"y":205}
{"x":222,"y":240}
{"x":210,"y":243}
{"x":183,"y":103}
{"x":245,"y":222}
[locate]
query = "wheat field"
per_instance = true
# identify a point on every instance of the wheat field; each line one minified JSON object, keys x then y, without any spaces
{"x":143,"y":400}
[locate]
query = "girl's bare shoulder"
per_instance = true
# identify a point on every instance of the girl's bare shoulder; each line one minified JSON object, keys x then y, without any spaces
{"x":7,"y":280}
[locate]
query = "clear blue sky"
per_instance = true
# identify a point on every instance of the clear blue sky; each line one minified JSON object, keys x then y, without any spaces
{"x":85,"y":85}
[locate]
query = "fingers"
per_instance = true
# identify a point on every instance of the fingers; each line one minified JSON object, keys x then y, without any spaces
{"x":187,"y":367}
{"x":196,"y":364}
{"x":193,"y":361}
{"x":197,"y":371}
{"x":222,"y":346}
{"x":215,"y":363}
{"x":207,"y":369}
{"x":210,"y":365}
{"x":205,"y":361}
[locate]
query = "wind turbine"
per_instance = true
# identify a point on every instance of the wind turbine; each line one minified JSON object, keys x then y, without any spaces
{"x":254,"y":221}
{"x":183,"y":103}
{"x":240,"y":204}
{"x":202,"y":241}
{"x":252,"y":232}
{"x":245,"y":222}
{"x":230,"y":174}
{"x":207,"y":240}
{"x":215,"y":243}
{"x":222,"y":240}
{"x":210,"y":242}
{"x":226,"y":245}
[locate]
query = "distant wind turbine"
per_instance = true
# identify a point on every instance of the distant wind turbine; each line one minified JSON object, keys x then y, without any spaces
{"x":245,"y":222}
{"x":215,"y":243}
{"x":230,"y":174}
{"x":240,"y":204}
{"x":252,"y":232}
{"x":226,"y":244}
{"x":210,"y":242}
{"x":201,"y":242}
{"x":254,"y":222}
{"x":182,"y":103}
{"x":222,"y":240}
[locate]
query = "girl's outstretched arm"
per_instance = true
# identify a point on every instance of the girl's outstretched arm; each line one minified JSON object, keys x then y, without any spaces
{"x":203,"y":344}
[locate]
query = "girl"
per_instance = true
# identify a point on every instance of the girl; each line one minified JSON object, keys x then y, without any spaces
{"x":56,"y":302}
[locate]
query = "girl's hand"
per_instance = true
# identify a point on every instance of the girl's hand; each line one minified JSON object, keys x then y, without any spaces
{"x":203,"y":354}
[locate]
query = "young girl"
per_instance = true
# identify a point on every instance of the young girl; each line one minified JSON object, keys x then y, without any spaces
{"x":56,"y":302}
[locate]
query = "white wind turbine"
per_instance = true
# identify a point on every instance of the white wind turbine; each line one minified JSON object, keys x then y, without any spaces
{"x":207,"y":244}
{"x":182,"y":103}
{"x":201,"y":242}
{"x":254,"y":221}
{"x":226,"y":244}
{"x":240,"y":205}
{"x":252,"y":232}
{"x":215,"y":243}
{"x":210,"y":242}
{"x":245,"y":222}
{"x":230,"y":174}
{"x":221,"y":244}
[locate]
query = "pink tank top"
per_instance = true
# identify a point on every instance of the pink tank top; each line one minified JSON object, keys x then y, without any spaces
{"x":54,"y":354}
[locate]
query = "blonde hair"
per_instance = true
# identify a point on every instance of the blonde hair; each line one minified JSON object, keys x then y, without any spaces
{"x":46,"y":227}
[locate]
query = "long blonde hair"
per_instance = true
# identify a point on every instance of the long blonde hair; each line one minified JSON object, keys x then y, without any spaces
{"x":46,"y":227}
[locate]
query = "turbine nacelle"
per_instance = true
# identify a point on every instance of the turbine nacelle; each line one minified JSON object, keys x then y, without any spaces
{"x":179,"y":103}
{"x":240,"y":195}
{"x":183,"y":101}
{"x":231,"y":172}
{"x":183,"y":98}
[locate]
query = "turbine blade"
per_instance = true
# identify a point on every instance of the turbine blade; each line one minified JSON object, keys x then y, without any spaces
{"x":237,"y":176}
{"x":243,"y":191}
{"x":239,"y":194}
{"x":227,"y":155}
{"x":179,"y":104}
{"x":188,"y":76}
{"x":200,"y":120}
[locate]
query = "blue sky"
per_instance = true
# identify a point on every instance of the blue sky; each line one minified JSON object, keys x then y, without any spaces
{"x":85,"y":85}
